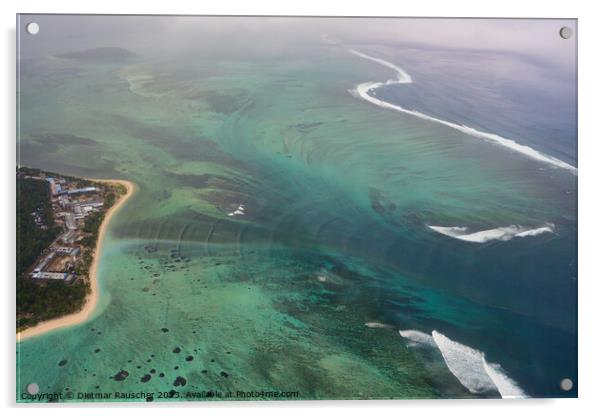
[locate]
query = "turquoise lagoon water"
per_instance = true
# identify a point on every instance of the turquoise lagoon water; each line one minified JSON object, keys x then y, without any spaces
{"x":306,"y":288}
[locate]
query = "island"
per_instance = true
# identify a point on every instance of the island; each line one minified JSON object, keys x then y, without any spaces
{"x":107,"y":54}
{"x":61,"y":222}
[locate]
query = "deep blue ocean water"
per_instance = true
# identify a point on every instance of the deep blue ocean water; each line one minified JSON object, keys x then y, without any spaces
{"x":526,"y":100}
{"x":528,"y":285}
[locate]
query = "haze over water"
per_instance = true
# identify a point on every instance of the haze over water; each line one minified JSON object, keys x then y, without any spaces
{"x":286,"y":228}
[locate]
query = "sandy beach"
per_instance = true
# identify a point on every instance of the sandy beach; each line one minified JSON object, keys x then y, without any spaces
{"x":92,"y":298}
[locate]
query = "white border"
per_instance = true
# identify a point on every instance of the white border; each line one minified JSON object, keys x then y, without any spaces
{"x":590,"y":183}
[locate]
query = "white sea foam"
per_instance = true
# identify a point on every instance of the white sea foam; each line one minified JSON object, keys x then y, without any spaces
{"x":363,"y":91}
{"x":474,"y":372}
{"x":505,"y":385}
{"x":465,"y":363}
{"x":468,"y":365}
{"x":500,"y":233}
{"x":376,"y":325}
{"x":239,"y":211}
{"x":417,"y":338}
{"x":402,"y":76}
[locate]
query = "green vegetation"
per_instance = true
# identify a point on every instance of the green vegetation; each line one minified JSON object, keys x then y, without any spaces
{"x":109,"y":200}
{"x":83,"y":267}
{"x":43,"y":300}
{"x":40,"y":300}
{"x":93,"y":222}
{"x":111,"y":193}
{"x":91,"y":227}
{"x":121,"y":189}
{"x":32,"y":195}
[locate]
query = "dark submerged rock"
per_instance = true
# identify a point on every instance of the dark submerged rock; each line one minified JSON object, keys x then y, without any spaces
{"x":120,"y":376}
{"x":179,"y":381}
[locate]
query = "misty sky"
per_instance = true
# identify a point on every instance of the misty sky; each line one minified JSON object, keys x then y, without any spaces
{"x":156,"y":35}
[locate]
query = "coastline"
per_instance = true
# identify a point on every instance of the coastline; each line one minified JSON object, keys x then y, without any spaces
{"x":92,"y":298}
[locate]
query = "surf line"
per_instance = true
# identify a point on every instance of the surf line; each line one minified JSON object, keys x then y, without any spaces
{"x":363,"y":91}
{"x":467,"y":364}
{"x":501,"y":233}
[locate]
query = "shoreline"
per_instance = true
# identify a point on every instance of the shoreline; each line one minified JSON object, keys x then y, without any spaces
{"x":92,"y":298}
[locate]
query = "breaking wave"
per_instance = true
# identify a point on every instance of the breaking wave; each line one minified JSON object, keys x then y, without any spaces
{"x":363,"y":91}
{"x":500,"y":233}
{"x":467,"y":364}
{"x":417,"y":338}
{"x":374,"y":325}
{"x":505,"y":385}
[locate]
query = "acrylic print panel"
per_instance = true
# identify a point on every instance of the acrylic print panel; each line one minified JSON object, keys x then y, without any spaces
{"x":279,"y":208}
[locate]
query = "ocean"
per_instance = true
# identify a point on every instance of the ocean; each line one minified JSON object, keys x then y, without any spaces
{"x":290,"y":235}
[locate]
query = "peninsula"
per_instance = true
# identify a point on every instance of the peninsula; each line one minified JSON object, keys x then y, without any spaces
{"x":60,"y":242}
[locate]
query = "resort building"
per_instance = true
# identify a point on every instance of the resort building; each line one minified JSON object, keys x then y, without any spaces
{"x":70,"y":221}
{"x":68,"y":237}
{"x":50,"y":275}
{"x":82,"y":190}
